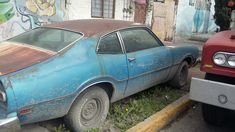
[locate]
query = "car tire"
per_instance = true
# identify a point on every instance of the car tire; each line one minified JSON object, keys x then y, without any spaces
{"x":214,"y":115}
{"x":89,"y":110}
{"x":181,"y":76}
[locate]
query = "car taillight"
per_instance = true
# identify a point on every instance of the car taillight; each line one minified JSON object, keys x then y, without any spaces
{"x":2,"y":93}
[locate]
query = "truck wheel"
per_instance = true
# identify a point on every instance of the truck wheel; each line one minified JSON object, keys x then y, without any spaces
{"x":89,"y":110}
{"x":214,"y":115}
{"x":181,"y":76}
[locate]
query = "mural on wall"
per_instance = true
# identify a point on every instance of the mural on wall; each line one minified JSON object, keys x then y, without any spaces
{"x":18,"y":16}
{"x":201,"y":16}
{"x":6,"y":11}
{"x":41,"y":7}
{"x":195,"y":17}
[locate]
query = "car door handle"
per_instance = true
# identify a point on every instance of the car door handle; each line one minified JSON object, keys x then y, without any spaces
{"x":131,"y":59}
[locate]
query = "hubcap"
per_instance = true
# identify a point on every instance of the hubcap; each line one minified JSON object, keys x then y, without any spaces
{"x":90,"y":111}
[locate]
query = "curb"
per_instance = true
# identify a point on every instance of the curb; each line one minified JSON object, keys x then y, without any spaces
{"x":160,"y":119}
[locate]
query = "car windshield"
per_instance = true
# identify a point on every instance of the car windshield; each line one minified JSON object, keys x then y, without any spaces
{"x":47,"y":38}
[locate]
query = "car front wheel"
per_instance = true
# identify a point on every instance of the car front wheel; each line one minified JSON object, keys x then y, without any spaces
{"x":89,"y":110}
{"x":214,"y":115}
{"x":181,"y":76}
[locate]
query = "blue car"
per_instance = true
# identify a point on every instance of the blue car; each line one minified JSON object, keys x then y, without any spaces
{"x":76,"y":68}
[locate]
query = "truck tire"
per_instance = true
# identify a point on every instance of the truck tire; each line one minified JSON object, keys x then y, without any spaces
{"x":181,"y":76}
{"x":89,"y":110}
{"x":214,"y":115}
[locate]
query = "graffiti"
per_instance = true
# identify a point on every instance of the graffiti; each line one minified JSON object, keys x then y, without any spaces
{"x":41,"y":7}
{"x":195,"y":16}
{"x":17,"y":16}
{"x":6,"y":11}
{"x":201,"y":16}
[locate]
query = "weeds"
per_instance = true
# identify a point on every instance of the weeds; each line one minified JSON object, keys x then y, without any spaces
{"x":61,"y":128}
{"x":130,"y":111}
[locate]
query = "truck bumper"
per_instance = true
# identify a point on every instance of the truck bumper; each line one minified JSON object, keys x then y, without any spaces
{"x":213,"y":93}
{"x":10,"y":124}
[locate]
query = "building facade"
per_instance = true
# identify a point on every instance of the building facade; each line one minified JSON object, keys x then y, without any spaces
{"x":17,"y":16}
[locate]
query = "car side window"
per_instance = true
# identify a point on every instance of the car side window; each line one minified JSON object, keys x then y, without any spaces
{"x":110,"y":44}
{"x":138,"y":39}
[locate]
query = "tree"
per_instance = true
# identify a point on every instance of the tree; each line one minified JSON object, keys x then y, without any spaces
{"x":223,"y":13}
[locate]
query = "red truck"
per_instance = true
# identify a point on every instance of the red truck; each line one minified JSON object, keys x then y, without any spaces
{"x":217,"y":91}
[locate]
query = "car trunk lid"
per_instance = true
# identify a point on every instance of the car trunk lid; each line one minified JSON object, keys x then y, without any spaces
{"x":15,"y":56}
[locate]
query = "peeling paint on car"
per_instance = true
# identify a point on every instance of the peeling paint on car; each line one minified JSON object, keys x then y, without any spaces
{"x":48,"y":88}
{"x":14,"y":57}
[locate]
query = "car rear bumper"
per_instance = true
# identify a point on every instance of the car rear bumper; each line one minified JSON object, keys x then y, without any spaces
{"x":214,"y":93}
{"x":10,"y":124}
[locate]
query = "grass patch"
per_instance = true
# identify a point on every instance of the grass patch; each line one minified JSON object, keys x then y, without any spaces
{"x":60,"y":128}
{"x":132,"y":110}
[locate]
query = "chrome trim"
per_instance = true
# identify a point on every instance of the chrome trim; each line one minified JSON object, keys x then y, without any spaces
{"x":4,"y":98}
{"x":227,"y":55}
{"x":198,"y":60}
{"x":117,"y":30}
{"x":121,"y":42}
{"x":207,"y":91}
{"x":98,"y":44}
{"x":71,"y":44}
{"x":11,"y":124}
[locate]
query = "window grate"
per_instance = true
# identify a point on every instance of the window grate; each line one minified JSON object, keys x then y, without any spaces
{"x":102,"y":8}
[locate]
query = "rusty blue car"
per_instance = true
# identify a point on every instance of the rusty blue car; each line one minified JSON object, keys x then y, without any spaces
{"x":74,"y":69}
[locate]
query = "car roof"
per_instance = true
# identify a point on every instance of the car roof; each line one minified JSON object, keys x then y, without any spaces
{"x":91,"y":27}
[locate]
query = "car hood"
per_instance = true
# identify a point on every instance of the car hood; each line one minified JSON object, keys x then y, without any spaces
{"x":15,"y":56}
{"x":223,"y":38}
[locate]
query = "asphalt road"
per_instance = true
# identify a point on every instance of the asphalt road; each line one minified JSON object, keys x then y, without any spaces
{"x":192,"y":121}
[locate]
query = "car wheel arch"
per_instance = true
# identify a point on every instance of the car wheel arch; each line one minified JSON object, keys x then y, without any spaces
{"x":189,"y":59}
{"x":104,"y":85}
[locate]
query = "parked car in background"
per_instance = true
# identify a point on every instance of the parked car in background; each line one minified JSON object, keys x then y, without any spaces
{"x":216,"y":92}
{"x":76,"y":68}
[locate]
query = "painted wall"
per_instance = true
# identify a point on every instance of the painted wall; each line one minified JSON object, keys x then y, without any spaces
{"x":195,"y":17}
{"x":164,"y":17}
{"x":17,"y":16}
{"x":79,"y":9}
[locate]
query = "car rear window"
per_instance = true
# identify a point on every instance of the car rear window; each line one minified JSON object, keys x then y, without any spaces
{"x":48,"y":38}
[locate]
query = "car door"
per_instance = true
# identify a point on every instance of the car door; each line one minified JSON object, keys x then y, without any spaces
{"x":148,"y":60}
{"x":113,"y":61}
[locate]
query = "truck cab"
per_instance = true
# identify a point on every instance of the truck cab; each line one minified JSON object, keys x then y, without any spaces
{"x":216,"y":91}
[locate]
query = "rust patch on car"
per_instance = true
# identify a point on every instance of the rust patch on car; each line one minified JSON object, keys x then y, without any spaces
{"x":93,"y":26}
{"x":14,"y":56}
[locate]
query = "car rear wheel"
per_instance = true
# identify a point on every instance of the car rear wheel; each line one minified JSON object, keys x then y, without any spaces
{"x":214,"y":115}
{"x":181,"y":76}
{"x":89,"y":110}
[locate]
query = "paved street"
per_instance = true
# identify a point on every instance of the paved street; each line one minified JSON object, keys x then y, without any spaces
{"x":192,"y":121}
